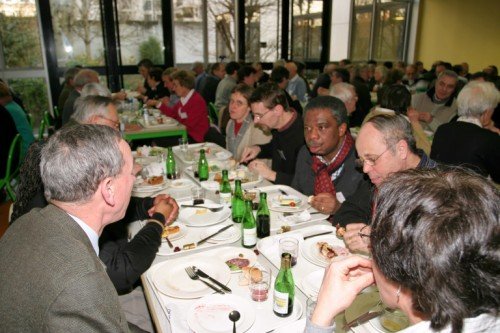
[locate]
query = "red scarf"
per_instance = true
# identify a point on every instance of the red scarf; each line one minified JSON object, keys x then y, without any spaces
{"x":323,"y":181}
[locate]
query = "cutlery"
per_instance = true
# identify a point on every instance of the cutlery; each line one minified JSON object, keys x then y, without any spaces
{"x":170,"y":245}
{"x":283,"y":192}
{"x":234,"y":316}
{"x":206,"y":276}
{"x":195,"y":277}
{"x":362,"y":319}
{"x":203,"y":240}
{"x":290,"y":214}
{"x":212,"y":209}
{"x":320,"y":234}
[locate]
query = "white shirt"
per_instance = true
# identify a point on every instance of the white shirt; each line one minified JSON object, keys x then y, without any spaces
{"x":91,"y":234}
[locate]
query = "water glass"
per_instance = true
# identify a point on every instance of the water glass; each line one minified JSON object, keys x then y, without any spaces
{"x":290,"y":245}
{"x":259,"y":288}
{"x":183,"y":145}
{"x":198,"y":194}
{"x":311,"y":305}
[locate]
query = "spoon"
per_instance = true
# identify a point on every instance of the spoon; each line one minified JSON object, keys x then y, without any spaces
{"x":234,"y":316}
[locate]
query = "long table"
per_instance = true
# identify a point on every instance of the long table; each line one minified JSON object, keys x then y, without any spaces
{"x":150,"y":133}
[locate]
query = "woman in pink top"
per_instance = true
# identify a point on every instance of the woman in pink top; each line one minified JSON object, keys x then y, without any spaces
{"x":191,"y":109}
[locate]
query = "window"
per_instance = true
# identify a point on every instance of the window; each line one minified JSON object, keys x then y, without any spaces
{"x":262,"y":30}
{"x":188,"y":20}
{"x":306,"y":35}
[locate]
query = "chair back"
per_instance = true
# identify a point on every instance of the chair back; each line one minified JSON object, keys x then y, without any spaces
{"x":13,"y":166}
{"x":41,"y":129}
{"x":213,"y":113}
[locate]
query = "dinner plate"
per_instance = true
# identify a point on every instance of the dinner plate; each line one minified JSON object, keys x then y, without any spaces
{"x":141,"y":186}
{"x":223,"y":236}
{"x":275,"y":204}
{"x":311,"y":252}
{"x":199,"y":217}
{"x":363,"y":303}
{"x":312,"y":282}
{"x":181,"y":183}
{"x":171,"y":279}
{"x":210,"y":314}
{"x":240,"y":253}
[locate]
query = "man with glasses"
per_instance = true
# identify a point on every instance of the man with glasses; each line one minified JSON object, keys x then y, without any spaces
{"x":385,"y":145}
{"x":271,"y":111}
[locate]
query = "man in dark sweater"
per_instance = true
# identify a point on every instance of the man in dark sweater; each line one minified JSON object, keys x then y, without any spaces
{"x":270,"y":111}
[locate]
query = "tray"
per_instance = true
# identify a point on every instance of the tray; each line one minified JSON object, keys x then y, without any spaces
{"x":211,"y":151}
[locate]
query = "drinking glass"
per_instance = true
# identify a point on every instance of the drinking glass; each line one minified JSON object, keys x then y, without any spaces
{"x":198,"y":194}
{"x":259,"y":288}
{"x":290,"y":245}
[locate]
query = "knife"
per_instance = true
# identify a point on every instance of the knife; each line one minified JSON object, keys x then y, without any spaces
{"x":362,"y":319}
{"x":203,"y":240}
{"x":206,"y":276}
{"x":323,"y":233}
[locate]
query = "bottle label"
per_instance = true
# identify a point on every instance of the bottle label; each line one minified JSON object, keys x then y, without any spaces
{"x":249,"y":237}
{"x":225,"y":198}
{"x":280,"y":302}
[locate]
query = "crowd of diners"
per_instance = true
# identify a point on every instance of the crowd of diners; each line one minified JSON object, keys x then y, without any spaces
{"x":406,"y":162}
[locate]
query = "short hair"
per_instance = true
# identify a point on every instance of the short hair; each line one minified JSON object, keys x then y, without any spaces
{"x":197,"y":64}
{"x":435,"y":232}
{"x":85,"y":76}
{"x":342,"y":73}
{"x":156,"y":73}
{"x":448,"y":73}
{"x":145,"y":63}
{"x":477,"y":97}
{"x":77,"y":159}
{"x":478,"y":75}
{"x":343,"y":91}
{"x":394,"y":128}
{"x":169,"y":71}
{"x":279,"y":73}
{"x":4,"y":90}
{"x":396,"y":97}
{"x":270,"y":95}
{"x":232,"y":67}
{"x":245,"y":71}
{"x":91,"y":105}
{"x":70,"y":73}
{"x":383,"y":70}
{"x":388,"y":64}
{"x":185,"y":78}
{"x":333,"y":104}
{"x":215,"y":67}
{"x":245,"y":90}
{"x":95,"y":89}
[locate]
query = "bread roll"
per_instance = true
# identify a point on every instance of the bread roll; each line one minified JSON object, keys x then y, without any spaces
{"x":250,"y":274}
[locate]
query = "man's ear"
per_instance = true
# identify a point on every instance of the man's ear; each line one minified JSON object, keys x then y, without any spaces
{"x":402,"y":149}
{"x":108,"y":191}
{"x":342,"y":129}
{"x":485,"y":117}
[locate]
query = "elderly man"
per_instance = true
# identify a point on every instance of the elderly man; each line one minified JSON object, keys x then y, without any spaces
{"x":270,"y":111}
{"x":467,"y":142}
{"x":61,"y":284}
{"x":385,"y":145}
{"x":68,"y":85}
{"x":324,"y":79}
{"x":83,"y":77}
{"x":438,"y":105}
{"x":297,"y":87}
{"x":326,"y":164}
{"x":347,"y":94}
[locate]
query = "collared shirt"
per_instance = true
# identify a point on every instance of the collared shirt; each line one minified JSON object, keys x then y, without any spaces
{"x":91,"y":234}
{"x":184,"y":100}
{"x":337,"y":173}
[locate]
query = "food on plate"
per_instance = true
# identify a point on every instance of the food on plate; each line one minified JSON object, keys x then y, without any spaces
{"x":310,"y":199}
{"x":149,"y":151}
{"x":132,"y":127}
{"x":218,"y":177}
{"x":285,"y":228}
{"x":331,"y":251}
{"x":235,"y":264}
{"x":340,"y":231}
{"x":170,"y":230}
{"x":285,"y":200}
{"x":177,"y":249}
{"x":241,"y":174}
{"x":250,"y":274}
{"x":188,"y":246}
{"x":159,"y":120}
{"x":155,"y":180}
{"x":201,"y":211}
{"x":214,"y":168}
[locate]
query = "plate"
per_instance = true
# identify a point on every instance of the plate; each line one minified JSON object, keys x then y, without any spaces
{"x":223,"y":236}
{"x":241,"y":253}
{"x":146,"y":151}
{"x":363,"y":303}
{"x":310,"y":250}
{"x":275,"y":203}
{"x":210,"y":314}
{"x":193,"y":216}
{"x":171,"y":279}
{"x":312,"y":282}
{"x":181,"y":183}
{"x":141,"y":186}
{"x":182,"y":232}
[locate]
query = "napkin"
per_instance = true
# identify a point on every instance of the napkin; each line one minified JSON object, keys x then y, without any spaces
{"x":144,"y":150}
{"x":155,"y":169}
{"x":296,"y":218}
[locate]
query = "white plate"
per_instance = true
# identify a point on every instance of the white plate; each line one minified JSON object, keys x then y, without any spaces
{"x":312,"y":282}
{"x":222,"y":237}
{"x":181,"y":183}
{"x":211,"y":314}
{"x":310,"y":250}
{"x":188,"y":215}
{"x":142,"y":186}
{"x":276,"y":206}
{"x":171,"y":279}
{"x":182,"y":232}
{"x":241,"y":253}
{"x":247,"y":178}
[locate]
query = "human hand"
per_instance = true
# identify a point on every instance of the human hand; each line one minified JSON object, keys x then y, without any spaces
{"x":357,"y":238}
{"x":249,"y":153}
{"x":325,"y":203}
{"x":159,"y":202}
{"x":343,"y":281}
{"x":262,"y":169}
{"x":425,"y":116}
{"x":412,"y":114}
{"x":152,"y":102}
{"x":165,"y":100}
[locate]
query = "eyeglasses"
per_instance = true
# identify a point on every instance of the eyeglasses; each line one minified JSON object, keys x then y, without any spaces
{"x":116,"y":124}
{"x":259,"y":117}
{"x":370,"y":161}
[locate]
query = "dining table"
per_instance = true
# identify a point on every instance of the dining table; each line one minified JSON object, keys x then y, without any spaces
{"x":178,"y":304}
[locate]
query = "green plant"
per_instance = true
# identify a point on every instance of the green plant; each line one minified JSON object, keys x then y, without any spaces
{"x":33,"y":92}
{"x":151,"y":49}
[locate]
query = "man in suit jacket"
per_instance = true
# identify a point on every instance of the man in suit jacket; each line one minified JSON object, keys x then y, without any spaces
{"x":51,"y":278}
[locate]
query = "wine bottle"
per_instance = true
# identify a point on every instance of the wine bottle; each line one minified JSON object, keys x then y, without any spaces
{"x":237,"y":203}
{"x":284,"y":288}
{"x":202,"y":166}
{"x":170,"y":164}
{"x":225,"y":190}
{"x":248,"y":227}
{"x":263,"y":217}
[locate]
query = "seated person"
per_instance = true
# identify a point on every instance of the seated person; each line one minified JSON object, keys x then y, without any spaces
{"x":465,"y":142}
{"x":144,"y":66}
{"x":429,"y":260}
{"x":241,"y":130}
{"x":326,"y":164}
{"x":157,"y":89}
{"x":346,"y":93}
{"x":385,"y":145}
{"x":208,"y":85}
{"x":191,"y":110}
{"x":280,"y":76}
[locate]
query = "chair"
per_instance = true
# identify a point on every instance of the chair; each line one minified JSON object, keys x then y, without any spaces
{"x":13,"y":166}
{"x":213,"y":113}
{"x":41,"y":129}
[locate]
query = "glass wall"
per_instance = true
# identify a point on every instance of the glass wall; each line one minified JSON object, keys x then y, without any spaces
{"x":306,"y":34}
{"x":188,"y":18}
{"x":262,"y":30}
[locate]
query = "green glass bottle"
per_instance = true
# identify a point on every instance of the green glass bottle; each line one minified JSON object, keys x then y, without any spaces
{"x":284,"y":288}
{"x":202,"y":166}
{"x":225,"y":190}
{"x":237,"y":203}
{"x":248,"y":227}
{"x":170,"y":164}
{"x":263,"y":217}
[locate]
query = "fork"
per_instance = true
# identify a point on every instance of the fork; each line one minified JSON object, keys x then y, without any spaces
{"x":190,"y":272}
{"x":212,"y":209}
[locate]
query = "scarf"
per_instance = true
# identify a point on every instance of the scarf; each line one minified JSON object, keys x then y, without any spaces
{"x":323,"y":181}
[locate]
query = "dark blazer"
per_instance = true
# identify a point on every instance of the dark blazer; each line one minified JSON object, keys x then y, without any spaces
{"x":51,"y":279}
{"x":69,"y":106}
{"x":461,"y":143}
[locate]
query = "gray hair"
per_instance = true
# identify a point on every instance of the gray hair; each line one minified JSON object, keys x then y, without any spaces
{"x":77,"y":159}
{"x":333,"y":104}
{"x":394,"y":128}
{"x":92,"y":105}
{"x":94,"y":88}
{"x":85,"y":76}
{"x":449,"y":73}
{"x":477,"y":97}
{"x":343,"y":91}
